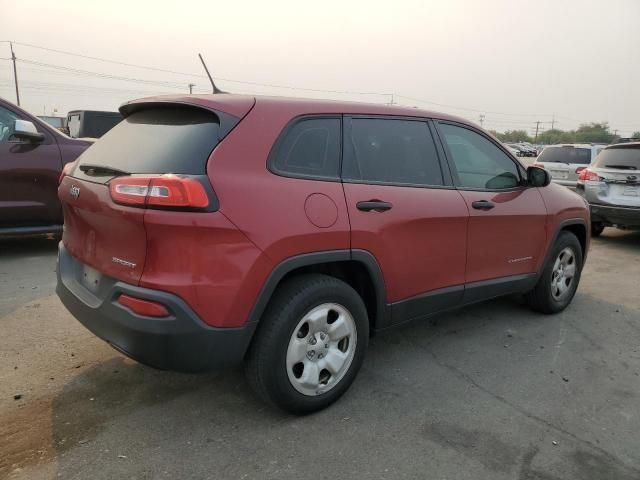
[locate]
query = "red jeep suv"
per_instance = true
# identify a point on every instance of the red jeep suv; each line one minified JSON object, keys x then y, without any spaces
{"x":203,"y":231}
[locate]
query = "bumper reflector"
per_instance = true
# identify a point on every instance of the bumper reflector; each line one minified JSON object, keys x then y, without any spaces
{"x":146,"y":308}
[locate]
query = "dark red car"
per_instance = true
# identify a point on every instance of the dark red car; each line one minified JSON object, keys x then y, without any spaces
{"x":32,"y":156}
{"x":207,"y":230}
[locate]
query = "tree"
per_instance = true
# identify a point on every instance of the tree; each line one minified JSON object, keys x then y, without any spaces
{"x":635,"y":134}
{"x":593,"y":133}
{"x":514,"y":136}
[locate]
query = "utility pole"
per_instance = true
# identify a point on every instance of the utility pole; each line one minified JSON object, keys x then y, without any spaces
{"x":15,"y":73}
{"x":553,"y":121}
{"x":392,"y":100}
{"x":537,"y":127}
{"x":481,"y":119}
{"x":191,"y":85}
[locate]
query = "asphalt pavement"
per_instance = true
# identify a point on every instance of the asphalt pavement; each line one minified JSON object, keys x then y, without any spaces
{"x":493,"y":391}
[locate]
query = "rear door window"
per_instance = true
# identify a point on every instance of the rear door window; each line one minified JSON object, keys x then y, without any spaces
{"x":391,"y":151}
{"x":157,"y":140}
{"x":566,"y":154}
{"x":308,"y":148}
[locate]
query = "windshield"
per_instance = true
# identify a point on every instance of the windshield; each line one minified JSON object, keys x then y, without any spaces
{"x":625,"y":158}
{"x":566,"y":154}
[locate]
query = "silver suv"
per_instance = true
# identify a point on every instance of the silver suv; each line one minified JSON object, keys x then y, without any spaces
{"x":565,"y":162}
{"x":611,"y":185}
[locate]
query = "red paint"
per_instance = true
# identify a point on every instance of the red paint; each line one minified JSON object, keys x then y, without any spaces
{"x":501,"y":240}
{"x":420,"y":243}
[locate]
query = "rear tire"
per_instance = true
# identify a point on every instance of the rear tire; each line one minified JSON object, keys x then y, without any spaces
{"x":310,"y":344}
{"x":560,"y":276}
{"x":596,"y":229}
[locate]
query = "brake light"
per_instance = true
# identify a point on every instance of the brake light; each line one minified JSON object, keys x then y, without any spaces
{"x":169,"y":190}
{"x":65,"y":171}
{"x":587,"y":175}
{"x":142,"y":307}
{"x":580,"y":169}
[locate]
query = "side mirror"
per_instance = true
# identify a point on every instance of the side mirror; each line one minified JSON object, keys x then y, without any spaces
{"x":26,"y":130}
{"x":538,"y":177}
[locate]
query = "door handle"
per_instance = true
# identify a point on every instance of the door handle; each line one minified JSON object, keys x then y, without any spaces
{"x":376,"y":205}
{"x":482,"y":205}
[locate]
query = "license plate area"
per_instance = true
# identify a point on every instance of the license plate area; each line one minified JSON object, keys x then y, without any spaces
{"x":90,"y":278}
{"x":559,"y":174}
{"x":631,"y":191}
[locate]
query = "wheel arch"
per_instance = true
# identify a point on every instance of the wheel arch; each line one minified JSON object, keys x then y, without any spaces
{"x":577,"y":226}
{"x":358,"y":268}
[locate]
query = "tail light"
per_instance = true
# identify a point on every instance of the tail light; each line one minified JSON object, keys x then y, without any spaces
{"x":142,"y":307}
{"x":580,"y":169}
{"x":170,"y":191}
{"x":539,"y":165}
{"x":65,"y":171}
{"x":587,"y":175}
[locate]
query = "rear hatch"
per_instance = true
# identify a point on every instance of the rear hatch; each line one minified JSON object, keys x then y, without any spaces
{"x":618,"y":170}
{"x":565,"y":162}
{"x":127,"y":164}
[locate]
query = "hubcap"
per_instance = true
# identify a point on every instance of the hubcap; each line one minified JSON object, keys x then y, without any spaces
{"x":563,"y":274}
{"x":321,"y":349}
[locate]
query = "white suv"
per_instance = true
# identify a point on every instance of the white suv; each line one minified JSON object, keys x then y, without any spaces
{"x":565,"y":162}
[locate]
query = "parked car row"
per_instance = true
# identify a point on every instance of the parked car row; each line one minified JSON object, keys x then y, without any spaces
{"x":607,"y":177}
{"x":523,"y":149}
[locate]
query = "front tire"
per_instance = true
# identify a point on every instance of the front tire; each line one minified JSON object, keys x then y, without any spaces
{"x":560,"y":277}
{"x":310,"y":344}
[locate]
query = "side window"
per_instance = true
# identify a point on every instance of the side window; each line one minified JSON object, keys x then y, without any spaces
{"x":391,"y":151}
{"x":479,"y":163}
{"x":7,"y":124}
{"x":308,"y":148}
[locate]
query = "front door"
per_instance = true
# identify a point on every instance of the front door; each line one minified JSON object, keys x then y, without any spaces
{"x":404,"y":210}
{"x":28,"y":177}
{"x":506,"y":234}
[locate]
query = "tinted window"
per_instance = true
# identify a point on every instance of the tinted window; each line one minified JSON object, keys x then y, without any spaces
{"x":479,"y":163}
{"x":566,"y":154}
{"x":157,"y":140}
{"x":624,"y":158}
{"x":391,"y":151}
{"x":7,"y":124}
{"x":309,"y":148}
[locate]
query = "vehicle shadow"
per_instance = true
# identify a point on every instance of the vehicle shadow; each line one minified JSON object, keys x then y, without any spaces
{"x":628,"y":240}
{"x":419,"y":389}
{"x":16,"y":247}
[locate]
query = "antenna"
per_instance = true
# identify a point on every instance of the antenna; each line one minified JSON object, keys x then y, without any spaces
{"x":215,"y":89}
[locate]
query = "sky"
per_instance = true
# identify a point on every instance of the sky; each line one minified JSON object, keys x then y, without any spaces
{"x":516,"y":62}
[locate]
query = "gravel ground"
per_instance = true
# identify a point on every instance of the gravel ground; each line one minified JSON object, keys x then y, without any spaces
{"x":492,"y":391}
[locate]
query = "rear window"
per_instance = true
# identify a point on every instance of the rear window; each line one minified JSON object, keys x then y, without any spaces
{"x":566,"y":155}
{"x":623,"y":158}
{"x":309,"y":148}
{"x":157,"y":140}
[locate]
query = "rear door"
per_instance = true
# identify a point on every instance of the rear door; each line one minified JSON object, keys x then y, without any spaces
{"x":506,"y":233}
{"x":404,"y":210}
{"x":29,"y":174}
{"x":155,"y":140}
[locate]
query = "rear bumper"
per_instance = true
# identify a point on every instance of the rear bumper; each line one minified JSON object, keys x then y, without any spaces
{"x":623,"y":216}
{"x":180,"y":342}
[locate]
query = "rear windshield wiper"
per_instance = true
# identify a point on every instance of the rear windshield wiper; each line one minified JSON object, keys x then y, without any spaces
{"x":100,"y":170}
{"x":622,"y":167}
